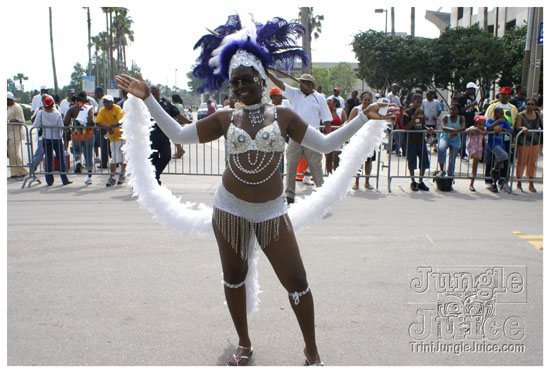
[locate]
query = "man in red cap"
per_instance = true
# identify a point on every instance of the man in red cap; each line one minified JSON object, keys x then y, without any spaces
{"x":510,"y":114}
{"x":337,"y":96}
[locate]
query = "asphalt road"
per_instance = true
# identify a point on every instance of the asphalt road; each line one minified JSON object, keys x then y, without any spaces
{"x":94,"y":280}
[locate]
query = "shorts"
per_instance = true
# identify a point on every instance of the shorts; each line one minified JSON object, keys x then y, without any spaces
{"x":419,"y":151}
{"x":499,"y":153}
{"x":240,"y":221}
{"x":116,"y":152}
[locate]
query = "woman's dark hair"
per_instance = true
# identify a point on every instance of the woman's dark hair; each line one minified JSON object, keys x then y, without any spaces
{"x":336,"y":102}
{"x":177,"y":99}
{"x":365,"y":93}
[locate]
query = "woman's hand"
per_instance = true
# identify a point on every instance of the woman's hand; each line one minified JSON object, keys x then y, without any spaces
{"x":372,"y":111}
{"x":138,"y":87}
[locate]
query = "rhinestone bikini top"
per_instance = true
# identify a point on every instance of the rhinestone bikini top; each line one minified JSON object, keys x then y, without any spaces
{"x":267,"y":139}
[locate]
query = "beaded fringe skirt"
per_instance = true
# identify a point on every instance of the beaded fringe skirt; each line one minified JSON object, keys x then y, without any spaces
{"x":241,"y":221}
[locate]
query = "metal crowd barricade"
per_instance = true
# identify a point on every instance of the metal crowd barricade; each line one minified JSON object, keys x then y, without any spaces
{"x":36,"y":151}
{"x":19,"y":152}
{"x":462,"y":168}
{"x":529,"y":165}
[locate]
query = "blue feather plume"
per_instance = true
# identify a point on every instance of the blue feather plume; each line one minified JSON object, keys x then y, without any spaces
{"x":275,"y":47}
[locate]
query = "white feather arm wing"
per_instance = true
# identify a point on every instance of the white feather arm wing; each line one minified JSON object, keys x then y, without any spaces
{"x":187,"y":219}
{"x":310,"y":209}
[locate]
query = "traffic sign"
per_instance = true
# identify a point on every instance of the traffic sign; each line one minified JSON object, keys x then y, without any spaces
{"x":539,"y":38}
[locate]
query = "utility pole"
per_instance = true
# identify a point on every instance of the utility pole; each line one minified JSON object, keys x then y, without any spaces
{"x":56,"y":88}
{"x":527,"y":54}
{"x":412,"y":21}
{"x":392,"y":20}
{"x":306,"y":39}
{"x":535,"y":59}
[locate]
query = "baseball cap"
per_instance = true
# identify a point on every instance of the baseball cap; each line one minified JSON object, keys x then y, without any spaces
{"x":307,"y":78}
{"x":479,"y":118}
{"x":337,"y":89}
{"x":70,"y":90}
{"x":82,"y":96}
{"x":42,"y":87}
{"x":471,"y":85}
{"x":48,"y":101}
{"x":99,"y":89}
{"x":275,"y":91}
{"x":10,"y":96}
{"x":108,"y":98}
{"x":505,"y":90}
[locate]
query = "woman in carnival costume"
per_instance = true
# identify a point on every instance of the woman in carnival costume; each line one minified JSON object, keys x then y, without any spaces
{"x":249,"y":207}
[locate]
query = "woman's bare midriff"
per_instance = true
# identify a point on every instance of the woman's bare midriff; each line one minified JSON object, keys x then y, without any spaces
{"x":267,"y":191}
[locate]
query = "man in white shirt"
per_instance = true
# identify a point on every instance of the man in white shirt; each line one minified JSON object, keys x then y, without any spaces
{"x":277,"y":98}
{"x":66,"y":103}
{"x":394,"y":98}
{"x":431,"y":109}
{"x":37,"y":99}
{"x":313,"y":109}
{"x":337,"y":96}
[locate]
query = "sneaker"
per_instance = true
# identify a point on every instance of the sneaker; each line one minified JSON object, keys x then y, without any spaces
{"x":88,"y":180}
{"x":440,"y":174}
{"x":307,"y":180}
{"x":472,"y":189}
{"x":289,"y":200}
{"x":78,"y":168}
{"x":110,"y":182}
{"x":493,"y":188}
{"x":422,"y":186}
{"x":505,"y":188}
{"x":121,"y":179}
{"x":414,"y":186}
{"x":494,"y":175}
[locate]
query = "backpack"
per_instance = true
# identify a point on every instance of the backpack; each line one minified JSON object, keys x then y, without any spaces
{"x":444,"y":184}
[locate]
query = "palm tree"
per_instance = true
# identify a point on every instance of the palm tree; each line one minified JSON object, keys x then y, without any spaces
{"x":312,"y":24}
{"x":123,"y":34}
{"x":20,"y":77}
{"x":53,"y":57}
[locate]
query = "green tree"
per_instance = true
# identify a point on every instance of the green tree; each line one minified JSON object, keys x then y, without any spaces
{"x":512,"y":70}
{"x":342,"y":76}
{"x":467,"y":54}
{"x":384,"y":59}
{"x":20,"y":77}
{"x":321,"y":76}
{"x":76,"y":77}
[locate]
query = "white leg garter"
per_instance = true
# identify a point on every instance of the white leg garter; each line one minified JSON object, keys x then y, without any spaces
{"x":296,"y":295}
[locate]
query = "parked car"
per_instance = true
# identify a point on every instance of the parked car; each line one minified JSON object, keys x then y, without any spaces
{"x":203,"y":111}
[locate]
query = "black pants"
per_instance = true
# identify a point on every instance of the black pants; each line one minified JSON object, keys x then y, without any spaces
{"x":161,"y":157}
{"x":103,"y":144}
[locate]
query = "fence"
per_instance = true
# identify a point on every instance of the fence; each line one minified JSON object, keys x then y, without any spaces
{"x":209,"y":159}
{"x":464,"y":170}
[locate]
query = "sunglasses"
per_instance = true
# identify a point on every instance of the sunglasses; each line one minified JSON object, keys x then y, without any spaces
{"x":530,"y":104}
{"x":246,"y":81}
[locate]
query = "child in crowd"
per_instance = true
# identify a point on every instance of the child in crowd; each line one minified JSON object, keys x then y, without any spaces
{"x":495,"y":143}
{"x":475,"y":144}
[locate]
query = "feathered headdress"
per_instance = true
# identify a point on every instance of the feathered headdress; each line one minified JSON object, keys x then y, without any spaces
{"x":256,"y":45}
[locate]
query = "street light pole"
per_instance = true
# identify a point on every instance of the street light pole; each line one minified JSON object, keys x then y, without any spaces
{"x":175,"y":77}
{"x":383,"y":11}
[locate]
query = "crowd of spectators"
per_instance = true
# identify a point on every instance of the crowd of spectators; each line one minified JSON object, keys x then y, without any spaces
{"x":467,"y":130}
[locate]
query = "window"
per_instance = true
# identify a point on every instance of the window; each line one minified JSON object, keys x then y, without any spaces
{"x":510,"y":25}
{"x":460,"y":14}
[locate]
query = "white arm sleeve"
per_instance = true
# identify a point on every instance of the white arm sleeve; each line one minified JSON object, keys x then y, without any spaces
{"x":178,"y":134}
{"x":314,"y":140}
